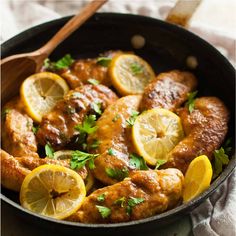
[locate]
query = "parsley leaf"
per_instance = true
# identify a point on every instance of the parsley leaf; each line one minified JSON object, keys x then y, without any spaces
{"x":120,"y":201}
{"x":220,"y":159}
{"x":136,"y":68}
{"x":132,"y":202}
{"x":104,"y":211}
{"x":49,"y":150}
{"x":159,"y":163}
{"x":227,"y":146}
{"x":118,"y":174}
{"x":101,"y":198}
{"x":104,"y":61}
{"x":111,"y":152}
{"x":5,"y":112}
{"x":62,"y":63}
{"x":35,"y":129}
{"x":88,"y":125}
{"x":131,"y":120}
{"x":191,"y":101}
{"x":97,"y":107}
{"x":93,"y":81}
{"x":137,"y":162}
{"x":95,"y":144}
{"x":116,"y":117}
{"x":79,"y":159}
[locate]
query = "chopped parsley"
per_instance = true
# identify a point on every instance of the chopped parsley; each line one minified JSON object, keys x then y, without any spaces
{"x":221,"y":158}
{"x":101,"y":198}
{"x":120,"y":201}
{"x":62,"y":63}
{"x":104,"y":211}
{"x":159,"y":163}
{"x":79,"y":159}
{"x":93,"y":81}
{"x":131,"y":120}
{"x":5,"y":112}
{"x":191,"y":101}
{"x":132,"y":202}
{"x":111,"y":152}
{"x":136,"y":68}
{"x":116,"y":117}
{"x":118,"y":174}
{"x":77,"y":95}
{"x":49,"y":151}
{"x":88,"y":125}
{"x":104,"y":61}
{"x":35,"y":129}
{"x":97,"y":107}
{"x":95,"y":144}
{"x":137,"y":162}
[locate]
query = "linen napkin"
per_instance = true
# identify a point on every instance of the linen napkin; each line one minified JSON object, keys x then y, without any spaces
{"x":217,"y":215}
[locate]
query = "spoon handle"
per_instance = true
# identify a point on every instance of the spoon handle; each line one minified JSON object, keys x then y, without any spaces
{"x":71,"y":26}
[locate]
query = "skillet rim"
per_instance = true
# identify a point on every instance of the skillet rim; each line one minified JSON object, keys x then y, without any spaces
{"x":177,"y":211}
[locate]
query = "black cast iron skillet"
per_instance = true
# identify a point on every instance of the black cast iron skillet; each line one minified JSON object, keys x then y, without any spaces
{"x":167,"y":47}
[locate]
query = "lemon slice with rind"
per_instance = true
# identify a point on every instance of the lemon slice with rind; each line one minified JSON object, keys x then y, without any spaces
{"x":197,"y":178}
{"x":130,"y":74}
{"x":40,"y":92}
{"x":52,"y":190}
{"x":155,"y":133}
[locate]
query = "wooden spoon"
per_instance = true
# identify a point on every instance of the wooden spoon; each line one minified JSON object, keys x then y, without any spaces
{"x":15,"y":68}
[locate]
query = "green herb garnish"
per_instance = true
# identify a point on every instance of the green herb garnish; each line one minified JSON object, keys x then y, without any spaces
{"x":70,"y":110}
{"x":191,"y":101}
{"x":63,"y":63}
{"x":97,"y":107}
{"x":116,"y":117}
{"x":88,"y":125}
{"x":77,"y":95}
{"x":120,"y":201}
{"x":49,"y":150}
{"x":95,"y":144}
{"x":35,"y":129}
{"x":118,"y":174}
{"x":136,"y":68}
{"x":104,"y":211}
{"x":131,"y":120}
{"x":111,"y":152}
{"x":93,"y":81}
{"x":5,"y":112}
{"x":159,"y":163}
{"x":104,"y":61}
{"x":221,"y":158}
{"x":101,"y":198}
{"x":79,"y":159}
{"x":132,"y":202}
{"x":137,"y":162}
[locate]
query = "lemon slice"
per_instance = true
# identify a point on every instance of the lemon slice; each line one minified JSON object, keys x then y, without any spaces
{"x":40,"y":92}
{"x":67,"y":154}
{"x":197,"y":178}
{"x":130,"y":74}
{"x":155,"y":133}
{"x":52,"y":190}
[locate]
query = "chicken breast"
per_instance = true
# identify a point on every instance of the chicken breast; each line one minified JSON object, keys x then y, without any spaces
{"x":14,"y":169}
{"x":169,"y":90}
{"x":18,"y":138}
{"x":114,"y":134}
{"x":58,"y":126}
{"x":205,"y":130}
{"x":143,"y":194}
{"x":84,"y":69}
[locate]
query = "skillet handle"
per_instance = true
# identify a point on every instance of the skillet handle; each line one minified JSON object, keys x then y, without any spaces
{"x":183,"y":10}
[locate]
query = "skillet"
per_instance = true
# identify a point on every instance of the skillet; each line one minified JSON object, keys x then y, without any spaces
{"x":167,"y":47}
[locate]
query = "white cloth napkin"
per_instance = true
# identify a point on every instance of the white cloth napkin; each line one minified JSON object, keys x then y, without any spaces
{"x":217,"y":215}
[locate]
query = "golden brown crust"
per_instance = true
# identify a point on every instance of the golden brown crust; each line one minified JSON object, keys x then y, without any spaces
{"x":113,"y":132}
{"x":160,"y":190}
{"x":57,"y":127}
{"x":205,"y":130}
{"x":169,"y":90}
{"x":18,"y":138}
